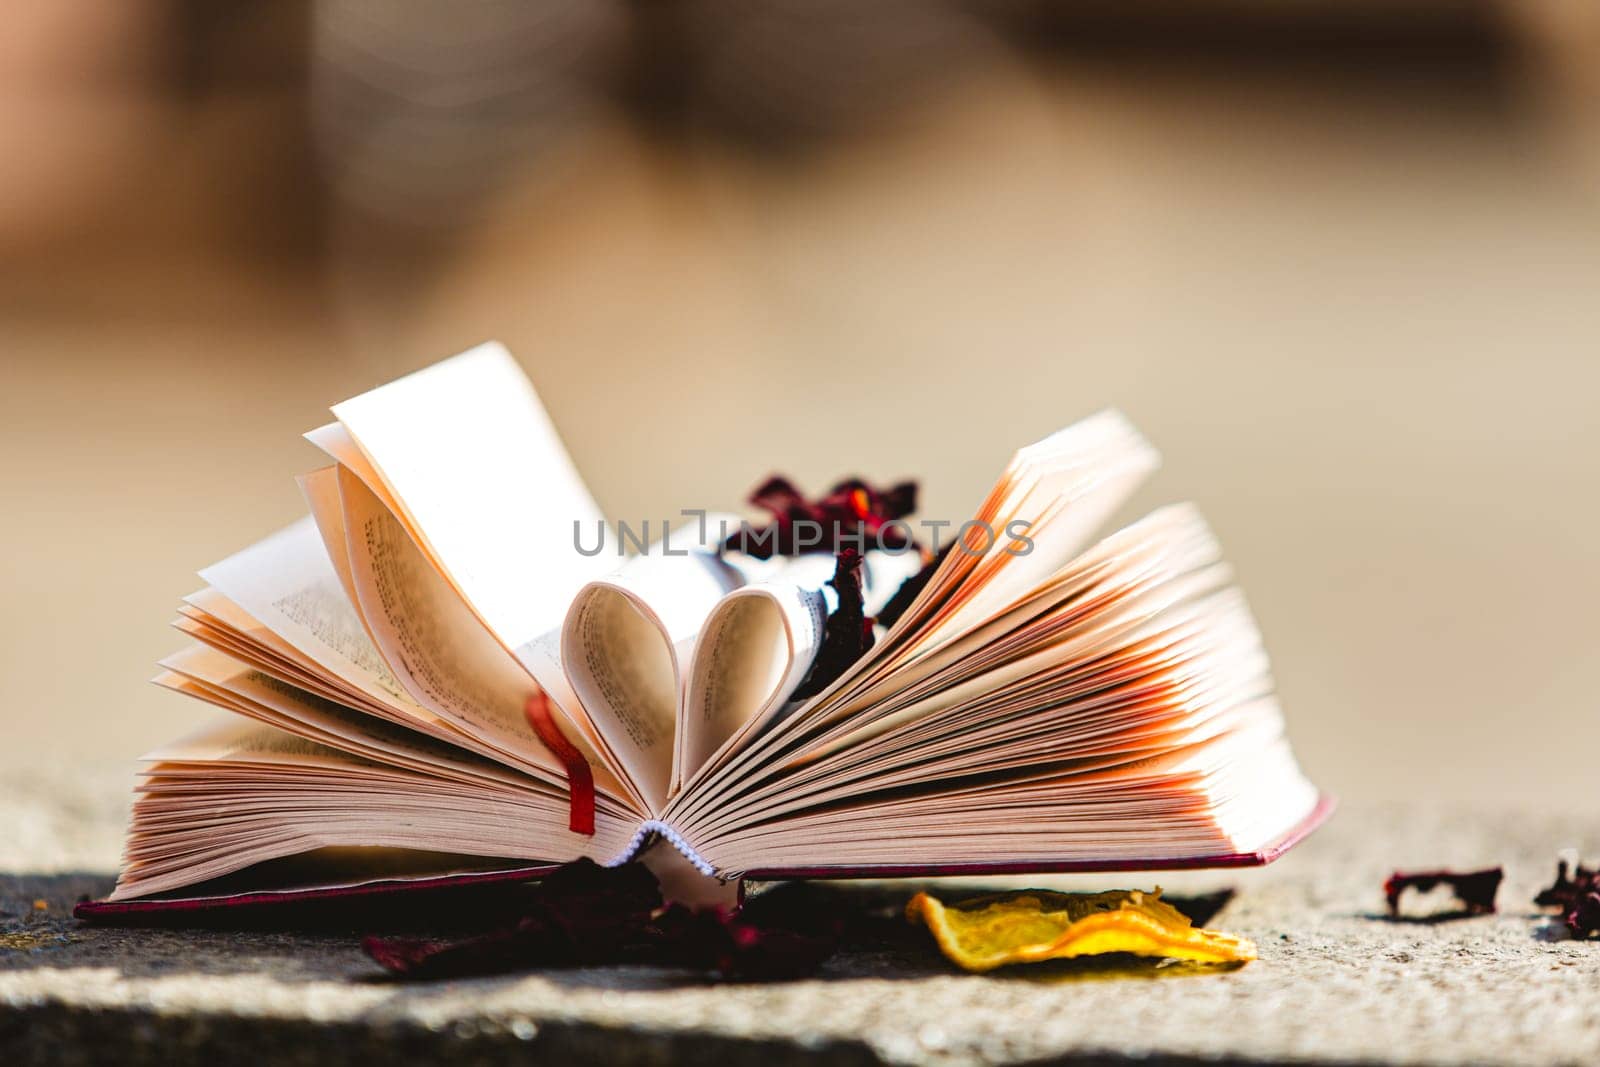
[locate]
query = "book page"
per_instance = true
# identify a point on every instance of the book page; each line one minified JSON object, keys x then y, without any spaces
{"x":1058,"y":489}
{"x":1170,"y":540}
{"x":238,"y":740}
{"x":440,"y":651}
{"x":757,"y":646}
{"x":267,"y":794}
{"x":540,"y":656}
{"x":286,"y":584}
{"x":336,"y":441}
{"x":224,"y":681}
{"x":1056,"y":493}
{"x":625,"y":643}
{"x":1123,"y":711}
{"x":475,"y":470}
{"x":219,"y":623}
{"x":321,"y":491}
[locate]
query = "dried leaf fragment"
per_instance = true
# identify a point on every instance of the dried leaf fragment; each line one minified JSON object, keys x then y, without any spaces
{"x":1577,"y":895}
{"x":1034,"y":925}
{"x":1474,"y":889}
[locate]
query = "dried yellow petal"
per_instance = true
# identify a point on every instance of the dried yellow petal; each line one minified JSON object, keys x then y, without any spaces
{"x":1034,"y":925}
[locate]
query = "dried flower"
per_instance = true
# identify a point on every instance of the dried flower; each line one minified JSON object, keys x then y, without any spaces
{"x":763,"y":941}
{"x":851,"y":513}
{"x":1578,"y":897}
{"x":1474,"y":889}
{"x":846,"y":636}
{"x":910,"y":589}
{"x":583,"y":914}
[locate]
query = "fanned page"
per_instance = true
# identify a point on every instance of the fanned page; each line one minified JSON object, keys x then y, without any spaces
{"x":684,"y":647}
{"x":241,"y":794}
{"x":1043,"y":701}
{"x":281,"y":644}
{"x":625,"y":645}
{"x":464,"y":457}
{"x":483,"y":482}
{"x":344,"y":632}
{"x":1048,"y":707}
{"x":758,"y":644}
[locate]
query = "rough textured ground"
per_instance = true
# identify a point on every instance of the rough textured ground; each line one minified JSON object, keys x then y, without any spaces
{"x":1336,"y":982}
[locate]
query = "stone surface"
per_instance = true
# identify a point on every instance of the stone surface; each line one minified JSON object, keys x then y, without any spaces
{"x":1336,"y":982}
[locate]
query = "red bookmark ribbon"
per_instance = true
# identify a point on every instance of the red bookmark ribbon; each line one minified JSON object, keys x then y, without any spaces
{"x":580,"y":779}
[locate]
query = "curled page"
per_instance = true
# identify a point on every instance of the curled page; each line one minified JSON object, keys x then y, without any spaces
{"x":464,"y":456}
{"x":286,"y":584}
{"x":478,"y":474}
{"x":623,"y":644}
{"x":443,"y":655}
{"x":759,"y":643}
{"x":755,"y":649}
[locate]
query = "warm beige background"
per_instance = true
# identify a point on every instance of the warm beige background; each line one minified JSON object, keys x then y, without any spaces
{"x":1361,"y":321}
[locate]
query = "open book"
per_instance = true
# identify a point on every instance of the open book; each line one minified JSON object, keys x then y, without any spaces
{"x":440,"y":679}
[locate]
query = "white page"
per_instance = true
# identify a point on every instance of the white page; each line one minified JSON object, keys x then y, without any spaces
{"x":286,"y":583}
{"x":757,"y":646}
{"x":478,"y":473}
{"x":439,"y":650}
{"x":321,"y":490}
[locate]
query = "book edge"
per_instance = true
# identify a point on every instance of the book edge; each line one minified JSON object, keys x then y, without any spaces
{"x":109,"y":911}
{"x":1319,"y":814}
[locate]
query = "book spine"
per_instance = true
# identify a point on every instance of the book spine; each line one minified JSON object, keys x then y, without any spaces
{"x":672,"y":837}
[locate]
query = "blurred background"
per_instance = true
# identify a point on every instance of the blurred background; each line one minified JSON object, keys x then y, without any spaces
{"x":1339,"y":259}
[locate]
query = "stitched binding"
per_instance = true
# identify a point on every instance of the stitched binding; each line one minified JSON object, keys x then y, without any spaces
{"x":656,"y":826}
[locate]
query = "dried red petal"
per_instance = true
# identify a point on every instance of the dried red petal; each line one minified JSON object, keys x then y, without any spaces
{"x":580,"y":913}
{"x":586,"y":915}
{"x":910,"y":589}
{"x":1584,"y":920}
{"x":846,"y":636}
{"x":1578,"y":898}
{"x":1474,"y":889}
{"x":745,"y":945}
{"x":851,"y":513}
